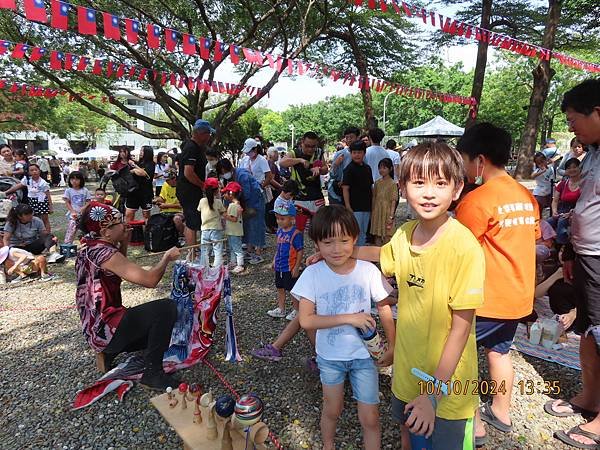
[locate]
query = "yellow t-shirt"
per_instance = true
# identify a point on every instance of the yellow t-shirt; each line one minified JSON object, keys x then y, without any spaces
{"x":432,"y":282}
{"x":211,"y":218}
{"x":234,"y":228}
{"x":169,"y":194}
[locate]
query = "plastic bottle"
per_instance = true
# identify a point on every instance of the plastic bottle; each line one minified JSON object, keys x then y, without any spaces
{"x":375,"y":345}
{"x":535,"y":333}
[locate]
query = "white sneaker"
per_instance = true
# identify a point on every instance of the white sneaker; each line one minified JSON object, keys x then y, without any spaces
{"x":277,"y":313}
{"x":54,"y":258}
{"x":292,"y":315}
{"x":237,"y":269}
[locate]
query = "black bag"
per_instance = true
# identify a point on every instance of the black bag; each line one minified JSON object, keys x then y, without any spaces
{"x":123,"y":181}
{"x":160,"y":233}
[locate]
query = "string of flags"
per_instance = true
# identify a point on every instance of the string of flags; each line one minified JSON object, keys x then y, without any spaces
{"x":459,"y":28}
{"x":158,"y":37}
{"x":27,"y":90}
{"x":105,"y":67}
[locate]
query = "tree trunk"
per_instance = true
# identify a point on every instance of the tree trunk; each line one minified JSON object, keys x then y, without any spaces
{"x":363,"y":71}
{"x":482,"y":51}
{"x":542,"y":75}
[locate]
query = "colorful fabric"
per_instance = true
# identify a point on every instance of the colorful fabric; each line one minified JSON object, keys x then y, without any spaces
{"x":182,"y":330}
{"x":98,"y":217}
{"x":210,"y":284}
{"x":289,"y":243}
{"x":98,"y":294}
{"x":231,"y":345}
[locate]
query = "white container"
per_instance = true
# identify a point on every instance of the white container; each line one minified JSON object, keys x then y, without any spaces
{"x":535,"y":333}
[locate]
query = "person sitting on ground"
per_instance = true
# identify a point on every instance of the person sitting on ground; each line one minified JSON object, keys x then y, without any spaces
{"x":168,"y":203}
{"x":23,"y":263}
{"x":577,"y":151}
{"x":562,"y":297}
{"x":23,"y":230}
{"x":565,"y":198}
{"x":108,"y":327}
{"x":287,"y":259}
{"x":38,"y":192}
{"x":543,"y":247}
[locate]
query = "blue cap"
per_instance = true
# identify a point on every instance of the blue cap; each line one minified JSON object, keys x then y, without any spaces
{"x":203,"y":125}
{"x":550,"y":141}
{"x":282,"y":210}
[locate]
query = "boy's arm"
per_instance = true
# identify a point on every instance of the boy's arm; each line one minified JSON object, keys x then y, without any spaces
{"x":346,"y":194}
{"x":310,"y":320}
{"x":367,"y":253}
{"x":296,"y":268}
{"x":389,"y":328}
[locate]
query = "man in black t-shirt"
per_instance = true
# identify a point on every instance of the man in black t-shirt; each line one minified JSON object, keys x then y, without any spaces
{"x":356,"y":187}
{"x":190,"y":182}
{"x":306,"y":167}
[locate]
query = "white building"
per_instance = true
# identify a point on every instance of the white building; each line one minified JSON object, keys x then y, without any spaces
{"x":113,"y":137}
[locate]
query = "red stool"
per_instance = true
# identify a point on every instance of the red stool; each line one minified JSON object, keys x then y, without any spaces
{"x":137,"y":232}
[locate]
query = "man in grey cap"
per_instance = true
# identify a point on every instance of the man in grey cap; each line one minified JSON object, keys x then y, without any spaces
{"x":190,"y":182}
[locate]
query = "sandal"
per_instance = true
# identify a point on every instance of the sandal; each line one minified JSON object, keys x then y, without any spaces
{"x":488,"y":416}
{"x":575,"y":410}
{"x":565,"y":437}
{"x":480,"y":441}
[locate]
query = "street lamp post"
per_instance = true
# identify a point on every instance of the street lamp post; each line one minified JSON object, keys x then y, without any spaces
{"x":292,"y":128}
{"x":384,"y":107}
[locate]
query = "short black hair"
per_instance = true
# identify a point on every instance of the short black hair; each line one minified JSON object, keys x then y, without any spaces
{"x":572,"y":162}
{"x":391,"y":144}
{"x":488,"y":140}
{"x":310,"y":135}
{"x":376,"y":135}
{"x":100,"y":189}
{"x":223,"y":165}
{"x":76,"y":174}
{"x":583,"y":98}
{"x":330,"y":221}
{"x":212,"y":152}
{"x":352,"y":130}
{"x":358,"y":146}
{"x":290,"y":186}
{"x":387,"y":162}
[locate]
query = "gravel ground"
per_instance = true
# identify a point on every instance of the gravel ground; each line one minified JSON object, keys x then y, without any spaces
{"x":44,"y":361}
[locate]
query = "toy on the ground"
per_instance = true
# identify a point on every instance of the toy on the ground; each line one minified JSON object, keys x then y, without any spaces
{"x":248,"y":410}
{"x":196,"y":392}
{"x":183,"y":387}
{"x":215,"y":432}
{"x":225,"y":406}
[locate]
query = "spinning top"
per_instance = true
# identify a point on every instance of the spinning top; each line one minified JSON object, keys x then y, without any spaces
{"x":248,"y":410}
{"x":225,"y":406}
{"x":183,"y":387}
{"x":195,"y":390}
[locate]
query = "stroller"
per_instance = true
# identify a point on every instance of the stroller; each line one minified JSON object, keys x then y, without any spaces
{"x":6,"y":204}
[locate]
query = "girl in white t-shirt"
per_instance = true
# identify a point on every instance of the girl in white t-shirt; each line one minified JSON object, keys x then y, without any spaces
{"x":76,"y":196}
{"x":160,"y":171}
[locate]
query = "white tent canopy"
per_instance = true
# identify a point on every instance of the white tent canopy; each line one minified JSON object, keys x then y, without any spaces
{"x":156,"y":151}
{"x":99,"y":153}
{"x":61,"y":154}
{"x":436,"y":127}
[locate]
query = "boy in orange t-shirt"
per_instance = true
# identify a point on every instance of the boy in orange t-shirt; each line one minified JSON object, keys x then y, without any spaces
{"x":504,"y":216}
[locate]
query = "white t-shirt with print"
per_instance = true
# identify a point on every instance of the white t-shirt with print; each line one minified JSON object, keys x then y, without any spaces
{"x":543,"y":183}
{"x":36,"y":189}
{"x":258,"y":168}
{"x":335,"y":294}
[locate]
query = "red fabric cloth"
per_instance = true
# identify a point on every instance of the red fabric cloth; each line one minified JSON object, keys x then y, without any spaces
{"x":567,"y":195}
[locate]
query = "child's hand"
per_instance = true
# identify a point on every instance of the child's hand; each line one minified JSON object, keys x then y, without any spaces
{"x":387,"y":358}
{"x":313,"y":259}
{"x":363,"y":321}
{"x":422,"y":416}
{"x":295,"y":272}
{"x":11,"y":270}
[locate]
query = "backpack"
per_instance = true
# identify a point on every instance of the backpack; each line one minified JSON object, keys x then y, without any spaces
{"x":123,"y":181}
{"x":160,"y":233}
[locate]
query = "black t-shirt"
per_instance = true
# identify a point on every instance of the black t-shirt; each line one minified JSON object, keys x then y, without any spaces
{"x":309,"y":186}
{"x":192,"y":154}
{"x":145,"y":183}
{"x":360,"y":180}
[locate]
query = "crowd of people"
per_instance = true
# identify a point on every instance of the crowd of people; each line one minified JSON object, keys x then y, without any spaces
{"x":466,"y":271}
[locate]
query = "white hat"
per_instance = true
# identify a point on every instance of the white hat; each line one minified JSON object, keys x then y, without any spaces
{"x":249,"y":145}
{"x":4,"y":253}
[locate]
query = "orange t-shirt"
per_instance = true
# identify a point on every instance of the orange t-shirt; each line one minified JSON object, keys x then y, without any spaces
{"x":504,"y":217}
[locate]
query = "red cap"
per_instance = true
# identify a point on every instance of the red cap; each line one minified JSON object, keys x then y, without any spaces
{"x":211,"y":183}
{"x":232,"y":186}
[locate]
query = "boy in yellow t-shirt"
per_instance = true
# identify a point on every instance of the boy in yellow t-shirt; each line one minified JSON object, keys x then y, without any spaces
{"x":439,"y":267}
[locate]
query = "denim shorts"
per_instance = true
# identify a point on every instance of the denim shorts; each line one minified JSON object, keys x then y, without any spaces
{"x":496,"y":334}
{"x":363,"y":375}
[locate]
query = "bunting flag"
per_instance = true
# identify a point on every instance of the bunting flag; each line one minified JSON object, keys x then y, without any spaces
{"x":234,"y":53}
{"x":170,"y":40}
{"x":205,"y":48}
{"x":132,"y":29}
{"x":111,"y":26}
{"x":86,"y":20}
{"x":153,"y":35}
{"x":8,"y":4}
{"x":4,"y":46}
{"x":36,"y":54}
{"x":35,"y":10}
{"x":189,"y":44}
{"x":56,"y":59}
{"x":19,"y":51}
{"x":59,"y":15}
{"x":219,"y":51}
{"x":41,"y":91}
{"x":458,"y":28}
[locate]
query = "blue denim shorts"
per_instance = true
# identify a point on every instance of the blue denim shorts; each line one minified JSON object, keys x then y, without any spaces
{"x":363,"y":375}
